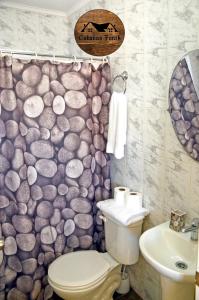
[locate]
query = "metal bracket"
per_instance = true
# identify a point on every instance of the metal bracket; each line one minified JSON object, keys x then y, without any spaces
{"x":102,"y":218}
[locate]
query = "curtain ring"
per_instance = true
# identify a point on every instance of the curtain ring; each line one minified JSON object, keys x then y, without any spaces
{"x":11,"y":56}
{"x":75,"y":60}
{"x":9,"y":53}
{"x":104,"y":60}
{"x":53,"y":59}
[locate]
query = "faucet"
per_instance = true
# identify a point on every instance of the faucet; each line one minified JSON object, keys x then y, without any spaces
{"x":193,"y":228}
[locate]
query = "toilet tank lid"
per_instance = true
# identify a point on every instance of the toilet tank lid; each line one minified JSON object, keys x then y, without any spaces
{"x":77,"y":269}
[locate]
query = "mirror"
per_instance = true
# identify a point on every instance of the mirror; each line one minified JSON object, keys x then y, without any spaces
{"x":184,"y":102}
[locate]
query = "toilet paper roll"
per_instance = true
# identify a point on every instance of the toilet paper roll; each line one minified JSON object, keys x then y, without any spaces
{"x":120,"y":194}
{"x":134,"y":200}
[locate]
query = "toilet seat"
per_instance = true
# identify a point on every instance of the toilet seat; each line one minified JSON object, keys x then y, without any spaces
{"x":76,"y":289}
{"x":79,"y":270}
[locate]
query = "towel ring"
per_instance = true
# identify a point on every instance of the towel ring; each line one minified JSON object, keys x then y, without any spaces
{"x":124,"y":77}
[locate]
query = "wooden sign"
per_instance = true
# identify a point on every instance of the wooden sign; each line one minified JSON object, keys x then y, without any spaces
{"x":99,"y":32}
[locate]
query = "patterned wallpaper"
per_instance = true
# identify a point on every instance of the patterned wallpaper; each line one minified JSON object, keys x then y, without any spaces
{"x":158,"y":34}
{"x":27,"y":30}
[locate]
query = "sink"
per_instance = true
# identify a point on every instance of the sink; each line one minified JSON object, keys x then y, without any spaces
{"x":174,"y":255}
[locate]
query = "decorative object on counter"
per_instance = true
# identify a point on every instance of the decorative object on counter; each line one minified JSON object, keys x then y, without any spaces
{"x":177,"y":221}
{"x":184,"y":102}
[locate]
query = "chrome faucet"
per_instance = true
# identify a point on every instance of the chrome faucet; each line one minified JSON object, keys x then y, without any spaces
{"x":193,"y":228}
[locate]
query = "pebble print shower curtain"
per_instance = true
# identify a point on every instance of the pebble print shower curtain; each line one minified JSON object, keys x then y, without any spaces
{"x":53,"y":167}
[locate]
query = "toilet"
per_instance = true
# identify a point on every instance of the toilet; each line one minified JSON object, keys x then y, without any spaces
{"x":91,"y":275}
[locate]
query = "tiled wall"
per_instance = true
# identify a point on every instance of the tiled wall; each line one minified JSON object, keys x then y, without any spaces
{"x":31,"y":31}
{"x":158,"y":34}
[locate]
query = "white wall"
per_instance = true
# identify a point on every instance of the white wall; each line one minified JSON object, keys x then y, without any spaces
{"x":27,"y":30}
{"x":158,"y":33}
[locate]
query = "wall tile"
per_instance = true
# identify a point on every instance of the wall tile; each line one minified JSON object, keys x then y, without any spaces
{"x":155,"y":77}
{"x":134,"y":36}
{"x":135,"y":82}
{"x":28,"y":27}
{"x":156,"y":24}
{"x":8,"y":34}
{"x":135,"y":125}
{"x":138,"y":280}
{"x":134,"y":164}
{"x":154,"y":128}
{"x":193,"y":190}
{"x":31,"y":31}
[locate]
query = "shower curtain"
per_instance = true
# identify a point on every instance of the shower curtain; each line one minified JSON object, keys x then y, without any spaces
{"x":53,"y":167}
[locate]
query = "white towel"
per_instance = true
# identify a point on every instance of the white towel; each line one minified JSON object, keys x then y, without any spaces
{"x":117,"y":125}
{"x":122,"y":214}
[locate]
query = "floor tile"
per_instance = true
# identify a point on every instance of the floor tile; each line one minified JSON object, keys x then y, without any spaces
{"x":130,"y":296}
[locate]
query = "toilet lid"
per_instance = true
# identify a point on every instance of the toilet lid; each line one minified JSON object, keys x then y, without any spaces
{"x":77,"y":269}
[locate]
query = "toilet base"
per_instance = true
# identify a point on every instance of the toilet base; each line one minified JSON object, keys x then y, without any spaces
{"x":104,"y":291}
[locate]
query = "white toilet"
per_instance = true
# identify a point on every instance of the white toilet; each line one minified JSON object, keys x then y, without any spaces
{"x":90,"y":275}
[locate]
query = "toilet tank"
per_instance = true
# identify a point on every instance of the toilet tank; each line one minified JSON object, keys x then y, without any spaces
{"x":122,"y":242}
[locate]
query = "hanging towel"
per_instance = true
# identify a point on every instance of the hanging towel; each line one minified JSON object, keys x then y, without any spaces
{"x":117,"y":125}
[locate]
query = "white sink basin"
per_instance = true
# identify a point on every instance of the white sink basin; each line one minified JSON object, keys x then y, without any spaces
{"x":163,"y":248}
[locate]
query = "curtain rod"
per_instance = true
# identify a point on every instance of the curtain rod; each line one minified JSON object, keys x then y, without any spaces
{"x":54,"y":57}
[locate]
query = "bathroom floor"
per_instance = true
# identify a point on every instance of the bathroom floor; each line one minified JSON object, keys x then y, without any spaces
{"x":130,"y":296}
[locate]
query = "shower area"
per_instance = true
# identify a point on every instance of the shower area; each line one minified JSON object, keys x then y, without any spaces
{"x":53,"y":166}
